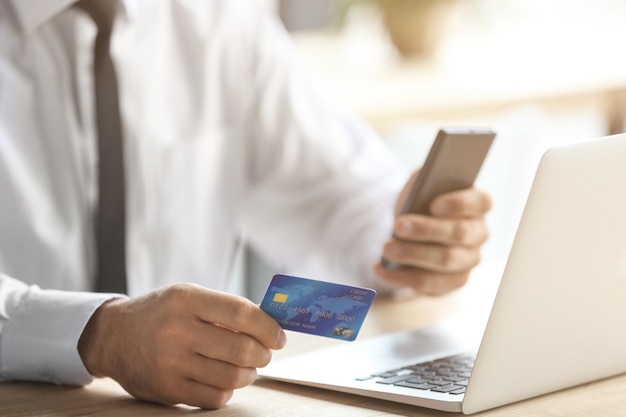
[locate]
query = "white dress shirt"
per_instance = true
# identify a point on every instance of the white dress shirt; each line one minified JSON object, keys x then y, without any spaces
{"x":225,"y":140}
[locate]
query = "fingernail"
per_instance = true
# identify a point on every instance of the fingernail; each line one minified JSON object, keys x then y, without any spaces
{"x":281,"y":339}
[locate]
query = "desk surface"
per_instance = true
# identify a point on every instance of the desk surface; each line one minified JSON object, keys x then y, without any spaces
{"x":104,"y":397}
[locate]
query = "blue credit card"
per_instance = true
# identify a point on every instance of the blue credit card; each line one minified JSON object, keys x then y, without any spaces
{"x":317,"y":307}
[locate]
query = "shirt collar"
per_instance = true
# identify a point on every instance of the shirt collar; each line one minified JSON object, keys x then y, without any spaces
{"x":33,"y":13}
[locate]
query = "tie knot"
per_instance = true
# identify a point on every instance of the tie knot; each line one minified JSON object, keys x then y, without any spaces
{"x":101,"y":11}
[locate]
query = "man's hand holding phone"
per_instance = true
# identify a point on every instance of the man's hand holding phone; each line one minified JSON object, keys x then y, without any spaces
{"x":438,"y":252}
{"x":440,"y":221}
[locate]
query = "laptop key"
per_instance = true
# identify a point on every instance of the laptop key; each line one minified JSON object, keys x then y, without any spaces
{"x":387,"y":374}
{"x":438,"y":382}
{"x":417,"y":380}
{"x":394,"y":379}
{"x":463,"y":382}
{"x":446,"y":388}
{"x":416,"y":386}
{"x":455,"y":379}
{"x":446,"y":372}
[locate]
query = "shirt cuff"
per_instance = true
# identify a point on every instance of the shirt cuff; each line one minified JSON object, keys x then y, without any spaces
{"x":40,"y":341}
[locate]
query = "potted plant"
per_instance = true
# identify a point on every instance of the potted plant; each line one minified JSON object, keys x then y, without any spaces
{"x":414,"y":26}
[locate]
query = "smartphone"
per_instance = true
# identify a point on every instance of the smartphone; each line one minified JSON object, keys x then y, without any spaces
{"x":452,"y":164}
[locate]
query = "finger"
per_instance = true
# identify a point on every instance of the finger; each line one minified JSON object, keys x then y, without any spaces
{"x":421,"y":280}
{"x":430,"y":256}
{"x":464,"y":232}
{"x":226,"y":345}
{"x":464,"y":203}
{"x":205,"y":396}
{"x":193,"y":393}
{"x":240,"y":314}
{"x":217,"y":374}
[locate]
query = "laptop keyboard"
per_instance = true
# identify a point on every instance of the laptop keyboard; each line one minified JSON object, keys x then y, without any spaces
{"x":446,"y":375}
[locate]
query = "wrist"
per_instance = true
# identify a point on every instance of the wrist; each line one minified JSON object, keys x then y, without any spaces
{"x":92,"y":346}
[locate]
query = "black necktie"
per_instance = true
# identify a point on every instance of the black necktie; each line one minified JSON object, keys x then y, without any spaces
{"x":110,"y":217}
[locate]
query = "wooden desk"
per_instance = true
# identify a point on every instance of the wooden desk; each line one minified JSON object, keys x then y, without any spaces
{"x":268,"y":398}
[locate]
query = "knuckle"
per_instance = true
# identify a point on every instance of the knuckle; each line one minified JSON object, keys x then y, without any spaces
{"x":245,"y":351}
{"x":177,"y":294}
{"x":423,"y":226}
{"x":242,"y":313}
{"x":264,"y":359}
{"x":462,"y":232}
{"x":178,"y":289}
{"x":449,"y":258}
{"x":242,"y":377}
{"x":237,"y":377}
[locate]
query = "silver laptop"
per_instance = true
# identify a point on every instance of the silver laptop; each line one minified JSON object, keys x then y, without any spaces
{"x":558,"y":319}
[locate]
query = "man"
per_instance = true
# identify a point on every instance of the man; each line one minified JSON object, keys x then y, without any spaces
{"x":223,"y":139}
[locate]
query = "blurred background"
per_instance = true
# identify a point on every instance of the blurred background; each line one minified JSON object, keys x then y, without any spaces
{"x":539,"y":72}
